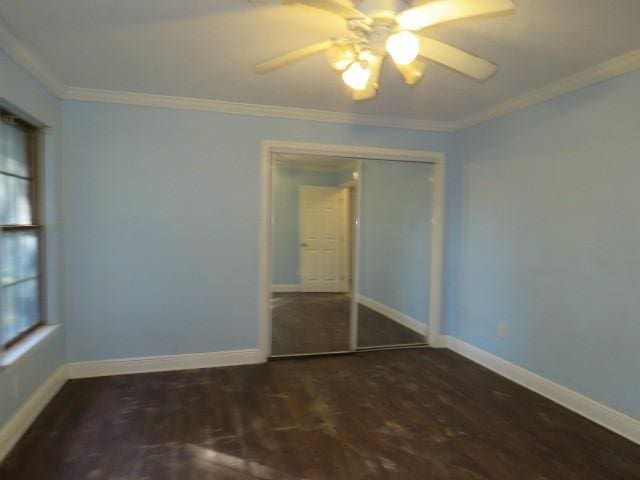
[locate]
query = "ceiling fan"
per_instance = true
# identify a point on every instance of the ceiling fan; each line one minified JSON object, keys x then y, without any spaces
{"x":381,"y":27}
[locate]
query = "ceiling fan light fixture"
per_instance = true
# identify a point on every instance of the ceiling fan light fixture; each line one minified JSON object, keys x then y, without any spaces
{"x":367,"y":56}
{"x":341,"y":55}
{"x":403,"y":47}
{"x":378,"y":28}
{"x":357,"y":75}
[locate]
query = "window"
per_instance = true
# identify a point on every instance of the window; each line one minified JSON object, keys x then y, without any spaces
{"x":20,"y":232}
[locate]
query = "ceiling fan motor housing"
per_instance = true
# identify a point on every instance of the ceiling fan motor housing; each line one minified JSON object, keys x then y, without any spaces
{"x":382,"y":11}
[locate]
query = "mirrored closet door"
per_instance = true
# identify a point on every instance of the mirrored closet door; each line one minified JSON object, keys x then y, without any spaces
{"x":350,"y":254}
{"x":312,"y":219}
{"x":393,"y":253}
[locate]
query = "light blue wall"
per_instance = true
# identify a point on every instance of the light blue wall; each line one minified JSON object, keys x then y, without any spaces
{"x":395,"y":212}
{"x":550,"y":230}
{"x":286,"y":185}
{"x":19,"y":90}
{"x":162,"y":215}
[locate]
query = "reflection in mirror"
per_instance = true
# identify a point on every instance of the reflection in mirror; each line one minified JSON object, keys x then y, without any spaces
{"x":313,"y":213}
{"x":395,"y":212}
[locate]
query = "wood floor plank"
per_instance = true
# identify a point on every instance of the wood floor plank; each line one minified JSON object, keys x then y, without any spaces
{"x":387,"y":415}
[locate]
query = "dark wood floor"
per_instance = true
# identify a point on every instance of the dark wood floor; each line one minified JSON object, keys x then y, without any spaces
{"x":404,"y":414}
{"x":319,"y":322}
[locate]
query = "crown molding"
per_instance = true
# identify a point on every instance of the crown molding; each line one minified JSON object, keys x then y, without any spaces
{"x":617,"y":66}
{"x":611,"y":68}
{"x":273,"y":111}
{"x":25,"y":57}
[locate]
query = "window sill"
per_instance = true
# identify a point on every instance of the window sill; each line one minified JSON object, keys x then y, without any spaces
{"x":18,"y":352}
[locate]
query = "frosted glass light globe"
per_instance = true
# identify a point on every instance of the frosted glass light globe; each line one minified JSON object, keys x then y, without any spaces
{"x":340,"y":56}
{"x":403,"y":47}
{"x":357,"y":76}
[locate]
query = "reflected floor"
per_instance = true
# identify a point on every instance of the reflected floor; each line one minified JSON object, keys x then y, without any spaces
{"x":319,"y":322}
{"x":309,"y":323}
{"x":375,"y":330}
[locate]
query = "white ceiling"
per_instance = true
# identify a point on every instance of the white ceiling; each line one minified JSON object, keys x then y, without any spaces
{"x":206,"y":49}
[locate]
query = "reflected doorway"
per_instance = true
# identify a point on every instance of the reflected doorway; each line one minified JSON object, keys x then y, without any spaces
{"x":312,"y":256}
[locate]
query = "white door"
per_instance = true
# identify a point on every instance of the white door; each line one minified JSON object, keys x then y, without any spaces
{"x":322,"y":239}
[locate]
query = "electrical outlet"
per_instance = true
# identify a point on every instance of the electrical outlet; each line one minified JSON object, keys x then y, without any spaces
{"x":503,"y":330}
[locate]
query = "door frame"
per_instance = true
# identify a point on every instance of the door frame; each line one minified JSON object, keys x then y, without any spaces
{"x":272,"y":147}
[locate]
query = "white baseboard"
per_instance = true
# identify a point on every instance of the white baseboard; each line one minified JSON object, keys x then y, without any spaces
{"x":285,"y":287}
{"x":24,"y":417}
{"x":124,"y":366}
{"x":441,"y":341}
{"x":609,"y":418}
{"x":403,"y":319}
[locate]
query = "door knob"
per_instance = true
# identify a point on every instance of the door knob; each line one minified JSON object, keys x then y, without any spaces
{"x":303,"y":244}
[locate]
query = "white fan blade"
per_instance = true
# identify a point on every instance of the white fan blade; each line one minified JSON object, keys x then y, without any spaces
{"x":456,"y":59}
{"x":440,"y":11}
{"x":332,"y":6}
{"x":374,"y":82}
{"x":413,"y":72}
{"x":291,"y":57}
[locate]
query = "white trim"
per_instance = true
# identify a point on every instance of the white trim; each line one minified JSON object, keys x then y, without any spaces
{"x":609,"y":418}
{"x":125,"y":366}
{"x":28,"y":412}
{"x":395,"y":315}
{"x":604,"y":71}
{"x":25,"y":347}
{"x":597,"y":73}
{"x":24,"y":56}
{"x":32,"y":63}
{"x":345,"y":244}
{"x":266,"y":252}
{"x":256,"y":110}
{"x":285,"y":287}
{"x":352,"y":151}
{"x":436,"y":255}
{"x":360,"y":152}
{"x":24,"y":417}
{"x":355,"y":287}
